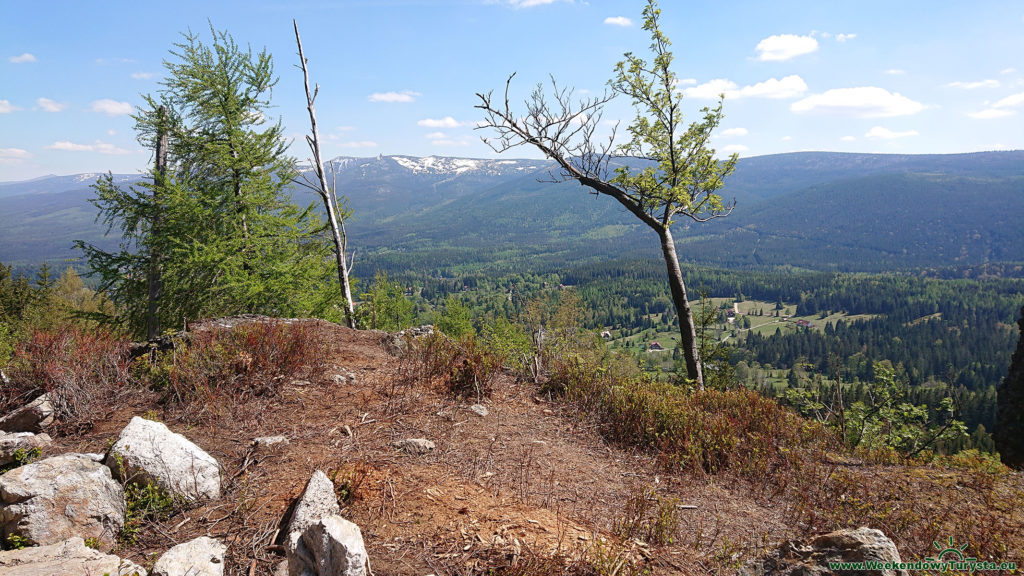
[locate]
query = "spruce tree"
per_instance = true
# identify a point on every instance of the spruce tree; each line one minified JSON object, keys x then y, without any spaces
{"x":229,"y":238}
{"x":1009,"y":432}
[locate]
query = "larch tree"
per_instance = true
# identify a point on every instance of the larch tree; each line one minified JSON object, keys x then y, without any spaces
{"x":680,"y":174}
{"x":213,"y":223}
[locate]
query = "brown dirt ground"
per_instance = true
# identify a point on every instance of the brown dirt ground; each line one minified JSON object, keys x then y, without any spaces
{"x":531,"y":478}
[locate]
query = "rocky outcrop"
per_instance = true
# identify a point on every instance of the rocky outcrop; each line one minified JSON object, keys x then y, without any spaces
{"x":318,"y":501}
{"x":57,"y":498}
{"x":32,"y":417}
{"x":398,"y":343}
{"x":21,"y":444}
{"x":414,"y":445}
{"x":812,"y":557}
{"x":332,"y":546}
{"x":147,"y":451}
{"x":64,"y":558}
{"x":200,"y":557}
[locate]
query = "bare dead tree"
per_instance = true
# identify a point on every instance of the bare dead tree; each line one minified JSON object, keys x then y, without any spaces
{"x":681,"y":173}
{"x":335,"y":214}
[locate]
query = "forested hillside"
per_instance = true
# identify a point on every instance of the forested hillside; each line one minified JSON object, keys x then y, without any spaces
{"x":852,"y":212}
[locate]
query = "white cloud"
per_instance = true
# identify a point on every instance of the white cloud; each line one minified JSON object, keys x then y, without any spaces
{"x":1010,"y":101}
{"x":860,"y":102}
{"x":22,"y":59}
{"x":446,"y":122}
{"x":713,"y":89}
{"x":1001,"y":109}
{"x":895,"y":72}
{"x":845,"y":37}
{"x":142,"y":75}
{"x":991,"y":113}
{"x":785,"y":46}
{"x":111,"y":107}
{"x":1006,"y":71}
{"x":98,"y":146}
{"x":733,"y":148}
{"x":686,"y":81}
{"x":786,"y":138}
{"x":848,"y":139}
{"x":404,"y":96}
{"x":734,"y":132}
{"x":436,"y":136}
{"x":531,"y":3}
{"x":788,"y":87}
{"x":11,"y":156}
{"x":50,"y":105}
{"x":974,"y":85}
{"x":618,"y":21}
{"x":883,"y":133}
{"x":359,"y":144}
{"x":6,"y":107}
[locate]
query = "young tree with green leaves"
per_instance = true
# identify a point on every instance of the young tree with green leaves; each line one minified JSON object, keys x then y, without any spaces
{"x":384,"y":306}
{"x":215,"y":222}
{"x":680,"y":174}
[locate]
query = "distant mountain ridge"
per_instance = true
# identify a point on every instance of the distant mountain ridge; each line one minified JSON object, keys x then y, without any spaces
{"x":811,"y":209}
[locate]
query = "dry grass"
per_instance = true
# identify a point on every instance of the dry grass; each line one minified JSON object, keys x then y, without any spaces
{"x":565,"y":480}
{"x":84,"y":372}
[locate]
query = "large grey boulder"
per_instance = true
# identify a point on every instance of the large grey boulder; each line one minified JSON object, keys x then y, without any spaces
{"x":54,"y":499}
{"x":812,"y":558}
{"x":318,"y":501}
{"x":24,"y":443}
{"x":200,"y":557}
{"x":331,"y":547}
{"x":65,"y":558}
{"x":147,"y":451}
{"x":32,"y":417}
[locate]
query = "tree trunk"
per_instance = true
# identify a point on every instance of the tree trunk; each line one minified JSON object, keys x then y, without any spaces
{"x":153,"y":310}
{"x":327,"y":194}
{"x":687,"y":331}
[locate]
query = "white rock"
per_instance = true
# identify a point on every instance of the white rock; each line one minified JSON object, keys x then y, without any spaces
{"x":200,"y":557}
{"x":270,"y":441}
{"x":318,"y":501}
{"x":331,"y":547}
{"x":812,"y":558}
{"x":414,"y":445}
{"x":150,"y":452}
{"x":69,"y":557}
{"x":54,"y":499}
{"x":32,"y":417}
{"x":11,"y":443}
{"x":479,"y":410}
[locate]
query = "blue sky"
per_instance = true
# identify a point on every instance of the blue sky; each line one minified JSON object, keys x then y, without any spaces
{"x":399,"y":77}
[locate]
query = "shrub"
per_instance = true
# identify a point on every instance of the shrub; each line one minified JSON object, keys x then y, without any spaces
{"x":83,"y":371}
{"x":144,"y":502}
{"x":251,"y":359}
{"x":465,"y":367}
{"x":648,"y":516}
{"x":709,"y":431}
